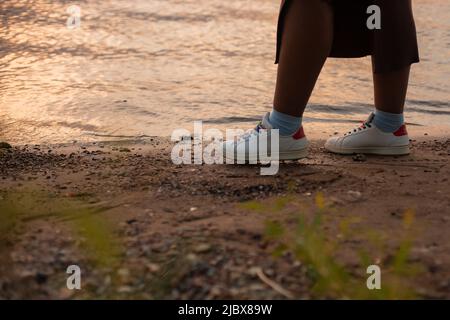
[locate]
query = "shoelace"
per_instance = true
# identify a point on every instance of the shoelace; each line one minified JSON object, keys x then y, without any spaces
{"x":251,"y":132}
{"x":364,"y":126}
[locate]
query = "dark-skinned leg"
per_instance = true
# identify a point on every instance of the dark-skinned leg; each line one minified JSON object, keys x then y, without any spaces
{"x":390,"y":94}
{"x":306,"y":43}
{"x":390,"y":90}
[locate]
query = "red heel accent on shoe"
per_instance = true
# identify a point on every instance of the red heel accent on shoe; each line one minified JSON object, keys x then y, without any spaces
{"x":299,"y":134}
{"x":401,"y":131}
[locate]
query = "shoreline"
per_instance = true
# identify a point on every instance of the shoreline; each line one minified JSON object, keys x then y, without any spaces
{"x":314,"y":131}
{"x":201,"y":231}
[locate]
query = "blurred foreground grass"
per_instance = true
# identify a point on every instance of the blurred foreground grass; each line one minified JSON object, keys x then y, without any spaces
{"x":306,"y":239}
{"x":99,"y":243}
{"x":290,"y":227}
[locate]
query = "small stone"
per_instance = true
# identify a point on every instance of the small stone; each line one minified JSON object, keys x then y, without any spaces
{"x":153,"y":267}
{"x":123,"y":272}
{"x":131,"y":221}
{"x":125,"y":289}
{"x":202,"y":248}
{"x":354,"y":195}
{"x":359,"y":157}
{"x":5,"y":145}
{"x":191,"y":257}
{"x":40,"y":278}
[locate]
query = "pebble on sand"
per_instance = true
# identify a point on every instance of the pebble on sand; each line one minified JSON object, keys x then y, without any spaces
{"x":5,"y":145}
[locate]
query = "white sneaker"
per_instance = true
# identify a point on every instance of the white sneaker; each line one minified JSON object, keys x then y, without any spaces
{"x":246,"y":147}
{"x":369,"y":139}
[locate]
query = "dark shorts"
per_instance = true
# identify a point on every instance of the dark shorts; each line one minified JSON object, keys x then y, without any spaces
{"x":392,"y":47}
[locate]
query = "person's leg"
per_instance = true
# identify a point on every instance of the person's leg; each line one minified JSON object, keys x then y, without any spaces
{"x":390,"y":94}
{"x":306,"y":43}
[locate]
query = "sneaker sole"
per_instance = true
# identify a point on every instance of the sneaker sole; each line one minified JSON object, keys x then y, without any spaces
{"x":386,"y":151}
{"x":288,"y":155}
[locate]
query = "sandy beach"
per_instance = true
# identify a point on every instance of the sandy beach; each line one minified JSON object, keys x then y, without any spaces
{"x":93,"y":207}
{"x":141,"y":227}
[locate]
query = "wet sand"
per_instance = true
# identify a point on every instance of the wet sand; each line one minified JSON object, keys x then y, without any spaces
{"x":142,"y":227}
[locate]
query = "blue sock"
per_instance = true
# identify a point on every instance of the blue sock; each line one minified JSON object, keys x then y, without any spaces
{"x":388,"y":122}
{"x":287,"y":124}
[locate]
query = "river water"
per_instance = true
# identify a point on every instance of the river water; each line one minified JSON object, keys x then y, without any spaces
{"x":146,"y":67}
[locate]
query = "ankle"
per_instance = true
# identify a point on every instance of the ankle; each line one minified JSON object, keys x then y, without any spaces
{"x":287,"y":124}
{"x":388,"y":122}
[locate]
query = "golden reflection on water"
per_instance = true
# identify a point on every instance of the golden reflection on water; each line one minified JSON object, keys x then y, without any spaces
{"x":142,"y":67}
